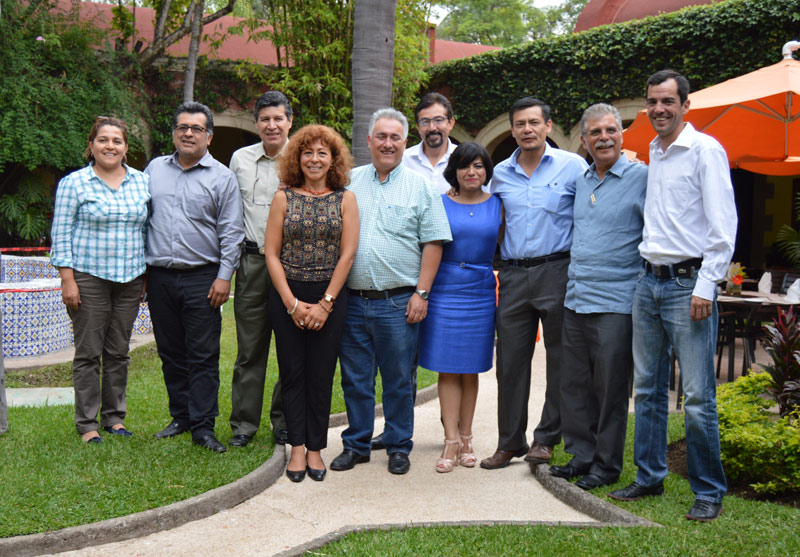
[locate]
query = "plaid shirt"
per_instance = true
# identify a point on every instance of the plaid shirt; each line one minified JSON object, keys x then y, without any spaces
{"x":397,"y":215}
{"x":98,"y":230}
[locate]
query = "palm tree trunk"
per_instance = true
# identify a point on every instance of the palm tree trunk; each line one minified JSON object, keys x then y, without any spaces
{"x":373,"y":64}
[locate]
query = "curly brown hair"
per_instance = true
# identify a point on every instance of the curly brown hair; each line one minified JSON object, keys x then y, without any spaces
{"x":339,"y":173}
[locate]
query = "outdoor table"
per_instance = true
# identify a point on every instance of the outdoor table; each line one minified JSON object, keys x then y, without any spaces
{"x":750,"y":310}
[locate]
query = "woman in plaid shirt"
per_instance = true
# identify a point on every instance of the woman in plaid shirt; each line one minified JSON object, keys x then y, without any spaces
{"x":98,"y":248}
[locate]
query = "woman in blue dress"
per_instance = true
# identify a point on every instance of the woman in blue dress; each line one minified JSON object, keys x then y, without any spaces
{"x":457,"y":336}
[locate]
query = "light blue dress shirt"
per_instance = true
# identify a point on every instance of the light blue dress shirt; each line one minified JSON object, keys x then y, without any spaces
{"x":539,"y":208}
{"x":397,"y":215}
{"x":609,"y":218}
{"x":195,"y":216}
{"x":98,"y":230}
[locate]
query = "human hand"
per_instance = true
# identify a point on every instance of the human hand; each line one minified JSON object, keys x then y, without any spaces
{"x":300,"y":315}
{"x":701,"y":308}
{"x":220,"y":292}
{"x":417,"y":309}
{"x":70,"y":294}
{"x":317,"y":316}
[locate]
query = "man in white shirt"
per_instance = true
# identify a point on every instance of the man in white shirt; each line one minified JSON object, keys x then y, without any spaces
{"x":434,"y":116}
{"x":687,"y":243}
{"x":256,"y":170}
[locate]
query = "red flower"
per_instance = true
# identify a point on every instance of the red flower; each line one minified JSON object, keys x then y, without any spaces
{"x":737,"y":279}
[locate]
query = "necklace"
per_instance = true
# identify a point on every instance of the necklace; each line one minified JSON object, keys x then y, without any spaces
{"x":316,"y":193}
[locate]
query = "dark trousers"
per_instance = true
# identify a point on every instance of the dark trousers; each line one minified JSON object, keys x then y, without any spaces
{"x":307,"y":363}
{"x":253,"y":337}
{"x":187,"y":330}
{"x":596,"y":370}
{"x":527,"y":295}
{"x":102,"y":327}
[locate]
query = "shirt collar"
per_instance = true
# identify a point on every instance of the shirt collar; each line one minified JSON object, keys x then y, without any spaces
{"x":548,"y":154}
{"x":392,"y":175}
{"x":684,"y":139}
{"x":617,"y":169}
{"x":206,"y":160}
{"x":417,"y":151}
{"x":95,"y":176}
{"x":261,"y":153}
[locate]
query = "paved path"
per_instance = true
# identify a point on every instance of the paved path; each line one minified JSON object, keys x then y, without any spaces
{"x":288,"y":515}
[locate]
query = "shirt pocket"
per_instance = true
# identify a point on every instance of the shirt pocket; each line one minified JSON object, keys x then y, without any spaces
{"x":557,"y":199}
{"x":399,"y":220}
{"x":678,"y":196}
{"x":199,"y":207}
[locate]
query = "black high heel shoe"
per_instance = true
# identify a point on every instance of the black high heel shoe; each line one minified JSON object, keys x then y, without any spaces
{"x":296,"y":475}
{"x":316,"y":475}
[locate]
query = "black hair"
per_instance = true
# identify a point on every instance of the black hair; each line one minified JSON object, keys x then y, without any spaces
{"x":462,"y":157}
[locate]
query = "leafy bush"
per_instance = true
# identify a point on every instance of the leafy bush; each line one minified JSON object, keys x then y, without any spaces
{"x":782,"y":343}
{"x":758,"y":447}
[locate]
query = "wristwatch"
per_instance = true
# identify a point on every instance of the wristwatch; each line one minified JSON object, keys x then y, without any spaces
{"x":329,"y":298}
{"x":422,"y":294}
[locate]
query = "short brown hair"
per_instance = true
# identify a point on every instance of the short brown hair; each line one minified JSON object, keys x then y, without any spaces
{"x":99,"y":123}
{"x":339,"y":173}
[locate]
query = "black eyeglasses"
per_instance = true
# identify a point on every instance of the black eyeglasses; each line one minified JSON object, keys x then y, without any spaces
{"x":195,"y":129}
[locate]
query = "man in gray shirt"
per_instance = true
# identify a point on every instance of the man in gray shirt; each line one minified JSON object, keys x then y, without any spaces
{"x":256,"y":170}
{"x":193,"y":238}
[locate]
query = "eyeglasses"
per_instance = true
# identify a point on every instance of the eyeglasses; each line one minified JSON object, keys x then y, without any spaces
{"x":425,"y":122}
{"x":197,"y":130}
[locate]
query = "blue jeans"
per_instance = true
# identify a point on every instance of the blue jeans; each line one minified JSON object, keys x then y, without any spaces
{"x":661,"y":318}
{"x":377,"y":336}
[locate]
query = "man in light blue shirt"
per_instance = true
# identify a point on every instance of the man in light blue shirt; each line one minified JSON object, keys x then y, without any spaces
{"x":537,"y":186}
{"x":403,"y":225}
{"x":597,"y":361}
{"x":192,"y":250}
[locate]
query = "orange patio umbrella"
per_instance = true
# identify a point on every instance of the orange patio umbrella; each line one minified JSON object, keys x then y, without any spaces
{"x":756,"y":118}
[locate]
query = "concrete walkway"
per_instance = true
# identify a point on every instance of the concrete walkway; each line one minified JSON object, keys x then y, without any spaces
{"x":288,"y":517}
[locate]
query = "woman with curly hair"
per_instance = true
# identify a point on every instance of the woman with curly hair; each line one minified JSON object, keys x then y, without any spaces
{"x":310,"y":244}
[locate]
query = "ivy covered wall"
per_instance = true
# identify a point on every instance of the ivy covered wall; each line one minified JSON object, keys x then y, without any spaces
{"x":708,"y":44}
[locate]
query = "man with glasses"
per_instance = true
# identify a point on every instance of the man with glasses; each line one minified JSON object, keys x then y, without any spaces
{"x":193,"y":238}
{"x":434,"y":116}
{"x":256,"y":170}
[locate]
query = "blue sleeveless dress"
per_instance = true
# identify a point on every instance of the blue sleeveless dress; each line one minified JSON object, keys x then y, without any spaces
{"x":457,"y":336}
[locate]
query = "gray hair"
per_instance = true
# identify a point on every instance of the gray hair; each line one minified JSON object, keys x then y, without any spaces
{"x":391,"y":114}
{"x":598,"y":111}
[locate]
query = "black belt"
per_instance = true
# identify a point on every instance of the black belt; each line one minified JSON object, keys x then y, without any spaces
{"x":533,"y":261}
{"x":251,"y":248}
{"x":687,"y":268}
{"x":382,"y":294}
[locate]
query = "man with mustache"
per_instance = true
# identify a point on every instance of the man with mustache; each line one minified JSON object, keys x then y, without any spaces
{"x":434,"y":116}
{"x":537,"y":187}
{"x":687,"y":243}
{"x":403,"y":226}
{"x":193,"y":238}
{"x":597,"y":363}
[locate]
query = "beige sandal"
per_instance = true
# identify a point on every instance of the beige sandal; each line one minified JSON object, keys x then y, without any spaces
{"x":445,"y":464}
{"x":466,"y":454}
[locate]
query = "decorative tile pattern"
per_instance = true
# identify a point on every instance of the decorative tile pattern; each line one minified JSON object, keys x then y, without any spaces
{"x":35,"y":320}
{"x":16,"y":269}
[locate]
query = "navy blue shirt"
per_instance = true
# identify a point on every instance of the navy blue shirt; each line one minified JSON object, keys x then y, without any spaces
{"x":609,"y":218}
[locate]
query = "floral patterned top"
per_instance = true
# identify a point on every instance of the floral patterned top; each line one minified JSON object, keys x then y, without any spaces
{"x":312,"y":232}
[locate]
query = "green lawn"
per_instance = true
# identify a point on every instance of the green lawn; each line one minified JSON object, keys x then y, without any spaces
{"x":51,"y":480}
{"x":744,"y":528}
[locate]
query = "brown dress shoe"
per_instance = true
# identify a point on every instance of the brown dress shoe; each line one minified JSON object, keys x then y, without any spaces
{"x":539,"y":454}
{"x":500,"y":458}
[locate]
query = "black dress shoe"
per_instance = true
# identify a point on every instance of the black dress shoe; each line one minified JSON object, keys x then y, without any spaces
{"x":316,"y":475}
{"x":704,"y":511}
{"x":347,"y":460}
{"x":210,"y":442}
{"x":399,"y":463}
{"x":635,"y":491}
{"x":296,"y":476}
{"x":121,"y":431}
{"x":591,"y":481}
{"x":568,"y":471}
{"x":377,"y":443}
{"x":171,"y":430}
{"x":240,"y":440}
{"x":280,"y":436}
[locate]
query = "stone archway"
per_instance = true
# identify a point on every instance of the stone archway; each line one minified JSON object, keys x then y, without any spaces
{"x":233,"y":129}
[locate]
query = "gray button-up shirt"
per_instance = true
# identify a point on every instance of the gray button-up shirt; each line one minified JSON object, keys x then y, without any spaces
{"x":195,"y":215}
{"x":257,"y":174}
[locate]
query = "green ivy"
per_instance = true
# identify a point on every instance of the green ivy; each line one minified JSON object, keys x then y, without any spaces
{"x":757,"y":446}
{"x":708,"y":44}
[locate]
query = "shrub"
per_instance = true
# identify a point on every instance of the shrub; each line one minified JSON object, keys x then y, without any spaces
{"x":758,"y":447}
{"x":782,"y":343}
